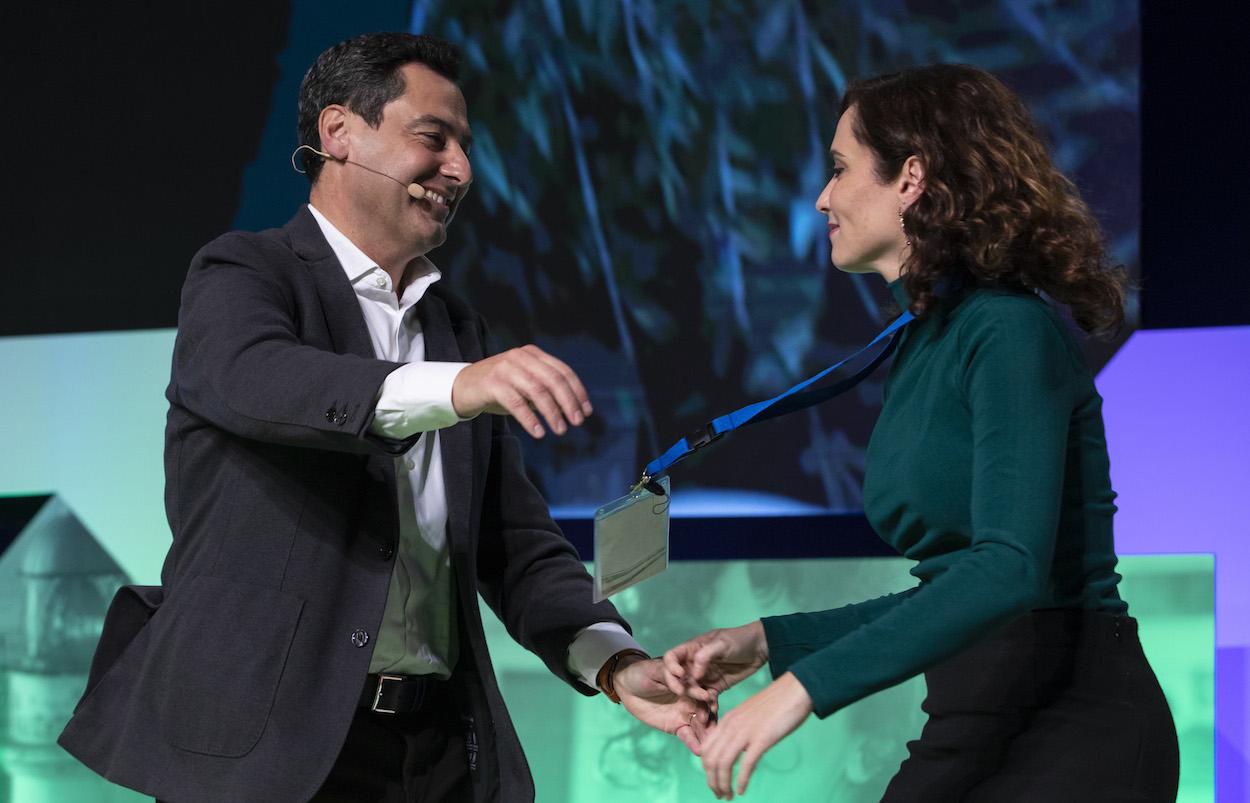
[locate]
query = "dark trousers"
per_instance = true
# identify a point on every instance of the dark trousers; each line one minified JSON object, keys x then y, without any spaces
{"x":403,"y":758}
{"x":1058,"y":705}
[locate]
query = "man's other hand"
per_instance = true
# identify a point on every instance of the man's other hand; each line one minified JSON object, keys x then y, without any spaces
{"x":640,"y":685}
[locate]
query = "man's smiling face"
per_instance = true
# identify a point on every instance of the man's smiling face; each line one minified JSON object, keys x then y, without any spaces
{"x":423,"y":137}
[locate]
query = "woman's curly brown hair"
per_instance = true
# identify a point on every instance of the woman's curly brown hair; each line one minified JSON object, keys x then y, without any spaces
{"x":994,"y":210}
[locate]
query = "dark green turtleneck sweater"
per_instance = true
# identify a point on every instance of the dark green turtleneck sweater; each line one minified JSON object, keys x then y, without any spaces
{"x":988,"y":467}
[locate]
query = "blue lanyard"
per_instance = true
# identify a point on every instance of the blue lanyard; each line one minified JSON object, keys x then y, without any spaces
{"x":795,"y":399}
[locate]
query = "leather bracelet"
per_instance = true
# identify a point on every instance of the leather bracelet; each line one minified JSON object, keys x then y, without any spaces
{"x":605,"y":679}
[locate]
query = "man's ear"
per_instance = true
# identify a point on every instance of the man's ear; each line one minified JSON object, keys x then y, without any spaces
{"x":911,"y":181}
{"x":332,"y":127}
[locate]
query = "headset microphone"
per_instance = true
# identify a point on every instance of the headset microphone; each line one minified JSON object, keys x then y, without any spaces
{"x":414,"y":189}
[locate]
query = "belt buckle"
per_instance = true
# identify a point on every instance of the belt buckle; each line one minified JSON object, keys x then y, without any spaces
{"x":377,"y":697}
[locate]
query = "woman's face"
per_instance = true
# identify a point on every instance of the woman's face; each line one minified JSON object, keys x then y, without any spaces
{"x":864,"y":231}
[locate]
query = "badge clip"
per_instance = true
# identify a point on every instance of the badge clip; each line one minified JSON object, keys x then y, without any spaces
{"x":649,"y":483}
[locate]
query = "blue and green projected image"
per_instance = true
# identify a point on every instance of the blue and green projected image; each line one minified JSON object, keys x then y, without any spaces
{"x":643,"y":209}
{"x":643,"y":203}
{"x":654,"y":166}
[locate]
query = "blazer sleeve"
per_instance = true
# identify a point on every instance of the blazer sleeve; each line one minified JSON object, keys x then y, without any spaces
{"x":239,"y":362}
{"x":528,"y":572}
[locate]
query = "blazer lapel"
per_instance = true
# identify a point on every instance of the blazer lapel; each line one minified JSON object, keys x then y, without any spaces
{"x":344,"y":320}
{"x":455,"y":442}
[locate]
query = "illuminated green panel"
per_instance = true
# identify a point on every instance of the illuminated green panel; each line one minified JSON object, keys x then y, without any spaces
{"x":86,"y":421}
{"x":599,"y":753}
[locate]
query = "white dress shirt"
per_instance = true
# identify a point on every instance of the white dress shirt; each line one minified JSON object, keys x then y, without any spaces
{"x":417,"y":398}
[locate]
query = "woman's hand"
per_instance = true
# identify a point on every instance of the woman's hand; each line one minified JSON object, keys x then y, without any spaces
{"x":709,"y":664}
{"x":751,"y":729}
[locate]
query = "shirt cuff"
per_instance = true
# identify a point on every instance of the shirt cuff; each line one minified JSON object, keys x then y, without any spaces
{"x":416,"y":397}
{"x":594,"y":645}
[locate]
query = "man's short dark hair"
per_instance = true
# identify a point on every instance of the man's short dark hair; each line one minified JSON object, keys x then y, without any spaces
{"x":363,"y":74}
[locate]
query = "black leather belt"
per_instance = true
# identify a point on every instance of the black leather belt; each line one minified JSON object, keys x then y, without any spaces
{"x":397,"y":694}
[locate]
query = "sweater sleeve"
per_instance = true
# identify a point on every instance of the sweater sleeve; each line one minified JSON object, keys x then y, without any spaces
{"x":793,"y":637}
{"x":1016,"y":375}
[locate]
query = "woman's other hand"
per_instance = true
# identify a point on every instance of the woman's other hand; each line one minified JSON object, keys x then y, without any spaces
{"x":751,"y":729}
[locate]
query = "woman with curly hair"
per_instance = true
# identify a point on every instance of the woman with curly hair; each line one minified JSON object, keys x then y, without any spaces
{"x":988,"y":467}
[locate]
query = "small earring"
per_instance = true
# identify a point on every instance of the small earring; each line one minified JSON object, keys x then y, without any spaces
{"x":903,"y":225}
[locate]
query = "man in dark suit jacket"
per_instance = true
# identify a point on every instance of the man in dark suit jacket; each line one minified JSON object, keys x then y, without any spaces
{"x":338,"y":497}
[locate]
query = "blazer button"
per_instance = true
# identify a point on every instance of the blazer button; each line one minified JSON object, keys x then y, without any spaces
{"x":341,"y":418}
{"x":330,"y":414}
{"x":360,"y":637}
{"x":386,"y":552}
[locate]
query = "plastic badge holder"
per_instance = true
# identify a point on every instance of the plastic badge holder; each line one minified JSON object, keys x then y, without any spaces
{"x":631,"y":540}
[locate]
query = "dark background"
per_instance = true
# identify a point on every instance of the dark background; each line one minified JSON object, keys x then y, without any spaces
{"x":1195,"y":116}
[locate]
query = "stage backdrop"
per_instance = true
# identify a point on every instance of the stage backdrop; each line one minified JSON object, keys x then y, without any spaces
{"x":646,"y":173}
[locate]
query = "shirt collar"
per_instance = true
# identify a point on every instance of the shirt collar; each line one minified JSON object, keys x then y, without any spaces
{"x":357,"y":265}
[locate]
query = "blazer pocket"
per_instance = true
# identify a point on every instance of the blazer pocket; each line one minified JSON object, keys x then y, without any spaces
{"x":129,"y":612}
{"x":227,"y":648}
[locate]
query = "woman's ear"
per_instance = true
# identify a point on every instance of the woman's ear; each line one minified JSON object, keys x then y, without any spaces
{"x":911,"y":181}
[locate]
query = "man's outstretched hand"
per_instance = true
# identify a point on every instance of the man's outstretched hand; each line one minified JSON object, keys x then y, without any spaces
{"x":522,"y":383}
{"x":640,"y":684}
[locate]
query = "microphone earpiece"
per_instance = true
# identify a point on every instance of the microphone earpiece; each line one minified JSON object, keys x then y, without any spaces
{"x":414,"y":189}
{"x":311,"y":149}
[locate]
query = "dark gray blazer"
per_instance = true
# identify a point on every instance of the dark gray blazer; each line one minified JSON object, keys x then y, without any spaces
{"x":238,"y":677}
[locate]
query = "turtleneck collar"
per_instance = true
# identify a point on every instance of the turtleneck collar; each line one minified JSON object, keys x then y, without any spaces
{"x":899,"y":291}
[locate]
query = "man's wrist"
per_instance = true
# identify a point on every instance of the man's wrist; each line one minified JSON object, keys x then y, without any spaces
{"x":593,"y":646}
{"x":606,"y":679}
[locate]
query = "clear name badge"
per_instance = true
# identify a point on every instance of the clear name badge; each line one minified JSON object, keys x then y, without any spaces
{"x":631,"y":540}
